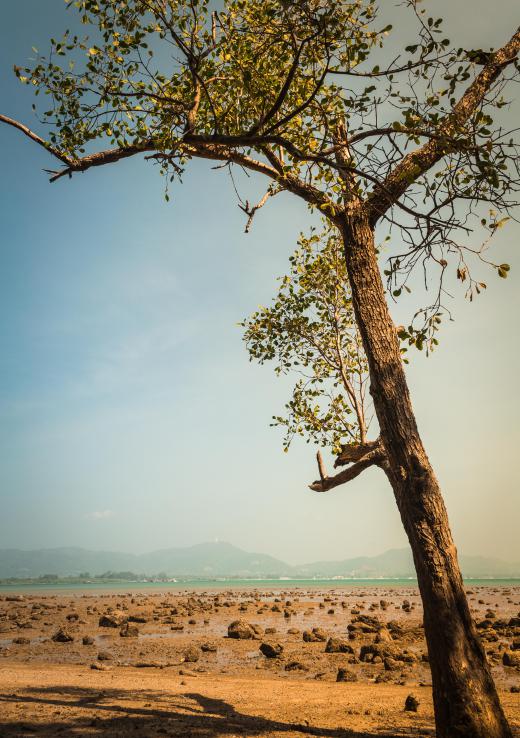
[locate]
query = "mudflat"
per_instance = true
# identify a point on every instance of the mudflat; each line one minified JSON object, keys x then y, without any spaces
{"x":234,"y":663}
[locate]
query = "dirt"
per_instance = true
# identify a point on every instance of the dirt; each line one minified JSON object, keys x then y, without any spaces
{"x":197,"y":681}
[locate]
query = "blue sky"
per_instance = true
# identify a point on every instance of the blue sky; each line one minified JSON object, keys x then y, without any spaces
{"x":130,"y":417}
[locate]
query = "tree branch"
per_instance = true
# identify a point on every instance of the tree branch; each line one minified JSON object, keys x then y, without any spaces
{"x":372,"y":458}
{"x":418,"y":162}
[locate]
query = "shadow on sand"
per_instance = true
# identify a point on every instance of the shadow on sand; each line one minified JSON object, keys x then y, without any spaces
{"x":94,"y":712}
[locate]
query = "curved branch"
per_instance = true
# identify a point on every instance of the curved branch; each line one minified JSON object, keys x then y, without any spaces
{"x":373,"y":458}
{"x":418,"y":162}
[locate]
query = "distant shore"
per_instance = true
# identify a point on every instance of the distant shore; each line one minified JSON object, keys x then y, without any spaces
{"x":222,"y":583}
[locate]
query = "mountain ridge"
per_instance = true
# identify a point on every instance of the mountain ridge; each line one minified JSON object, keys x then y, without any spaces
{"x":222,"y":559}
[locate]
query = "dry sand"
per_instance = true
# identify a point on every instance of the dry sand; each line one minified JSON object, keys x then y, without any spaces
{"x":147,"y":685}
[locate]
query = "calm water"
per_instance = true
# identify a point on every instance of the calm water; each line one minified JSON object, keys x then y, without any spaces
{"x":229,"y":584}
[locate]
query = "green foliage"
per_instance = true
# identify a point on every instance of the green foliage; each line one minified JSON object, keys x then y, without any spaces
{"x":309,"y":329}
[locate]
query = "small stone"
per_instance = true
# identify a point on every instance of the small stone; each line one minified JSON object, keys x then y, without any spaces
{"x":62,"y":636}
{"x":129,"y":631}
{"x":346,"y":675}
{"x":192,"y":654}
{"x":338,"y":645}
{"x":411,"y":703}
{"x":271,"y":650}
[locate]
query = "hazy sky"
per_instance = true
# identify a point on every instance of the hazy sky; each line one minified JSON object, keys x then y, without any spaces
{"x":130,"y":417}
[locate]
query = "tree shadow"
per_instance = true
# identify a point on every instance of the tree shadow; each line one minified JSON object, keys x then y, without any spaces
{"x":103,"y":713}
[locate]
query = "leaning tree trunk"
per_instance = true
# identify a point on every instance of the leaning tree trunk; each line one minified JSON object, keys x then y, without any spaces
{"x":465,"y":699}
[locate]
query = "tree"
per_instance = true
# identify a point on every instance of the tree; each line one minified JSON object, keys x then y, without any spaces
{"x":296,"y":91}
{"x":310,"y":329}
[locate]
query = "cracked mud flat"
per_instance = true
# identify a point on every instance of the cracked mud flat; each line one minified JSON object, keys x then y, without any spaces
{"x":146,"y":684}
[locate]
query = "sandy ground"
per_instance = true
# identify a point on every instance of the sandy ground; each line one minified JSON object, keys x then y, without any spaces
{"x":181,"y":675}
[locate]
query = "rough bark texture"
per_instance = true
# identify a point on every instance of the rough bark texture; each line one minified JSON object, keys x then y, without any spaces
{"x":465,"y":698}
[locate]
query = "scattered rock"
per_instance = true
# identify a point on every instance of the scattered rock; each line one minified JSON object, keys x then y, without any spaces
{"x":113,"y":619}
{"x":242,"y":630}
{"x":62,"y":636}
{"x":192,"y":654}
{"x":411,"y":703}
{"x":129,"y":631}
{"x":271,"y":650}
{"x":338,"y":645}
{"x":346,"y":675}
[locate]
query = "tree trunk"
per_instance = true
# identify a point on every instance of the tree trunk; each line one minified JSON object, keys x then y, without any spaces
{"x":465,"y":699}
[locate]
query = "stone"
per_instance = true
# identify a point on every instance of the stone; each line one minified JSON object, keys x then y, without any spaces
{"x":295,"y":666}
{"x":87,"y":641}
{"x":242,"y":630}
{"x":511,"y":658}
{"x":316,"y":634}
{"x":21,"y":641}
{"x":129,"y":631}
{"x":411,"y":703}
{"x":100,"y":667}
{"x":114,"y":619}
{"x":62,"y":636}
{"x":208,"y":647}
{"x":192,"y":654}
{"x":271,"y":650}
{"x":338,"y":645}
{"x":346,"y":675}
{"x":105,"y":656}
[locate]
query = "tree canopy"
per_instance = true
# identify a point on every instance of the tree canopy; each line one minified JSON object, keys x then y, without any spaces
{"x":312,"y":96}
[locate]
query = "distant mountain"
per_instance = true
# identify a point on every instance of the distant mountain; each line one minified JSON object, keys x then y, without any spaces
{"x":205,"y":559}
{"x":224,"y":560}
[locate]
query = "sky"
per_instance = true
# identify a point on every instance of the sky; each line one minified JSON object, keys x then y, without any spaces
{"x":130,"y":416}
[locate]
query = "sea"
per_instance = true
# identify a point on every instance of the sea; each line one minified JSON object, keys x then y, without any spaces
{"x":185,"y":585}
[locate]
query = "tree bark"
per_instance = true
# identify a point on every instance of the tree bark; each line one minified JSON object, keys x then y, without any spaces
{"x":465,"y":699}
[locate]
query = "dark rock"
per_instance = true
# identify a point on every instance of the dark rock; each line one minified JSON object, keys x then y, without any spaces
{"x":316,"y":634}
{"x":87,"y":641}
{"x":295,"y":666}
{"x":21,"y":641}
{"x":271,"y":650}
{"x":338,"y":645}
{"x":113,"y":619}
{"x":411,"y":703}
{"x":62,"y":636}
{"x":242,"y":630}
{"x":105,"y":656}
{"x":346,"y":675}
{"x":129,"y":631}
{"x":192,"y":654}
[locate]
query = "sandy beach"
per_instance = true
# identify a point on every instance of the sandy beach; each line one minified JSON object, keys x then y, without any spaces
{"x":210,"y":663}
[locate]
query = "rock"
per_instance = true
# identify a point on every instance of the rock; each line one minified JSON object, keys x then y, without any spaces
{"x":271,"y":650}
{"x":514,"y":689}
{"x":208,"y":647}
{"x":391,"y":664}
{"x":105,"y":656}
{"x":383,"y":636}
{"x":87,"y":641}
{"x":338,"y":645}
{"x":192,"y":654}
{"x":242,"y":630}
{"x":295,"y":666}
{"x":21,"y":641}
{"x":72,"y":617}
{"x":129,"y":631}
{"x":316,"y":634}
{"x":346,"y":675}
{"x":137,"y":619}
{"x":511,"y":658}
{"x":113,"y":619}
{"x":100,"y":667}
{"x":411,"y":703}
{"x":62,"y":636}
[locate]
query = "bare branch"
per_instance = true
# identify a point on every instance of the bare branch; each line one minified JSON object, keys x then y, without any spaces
{"x":373,"y":458}
{"x":418,"y":162}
